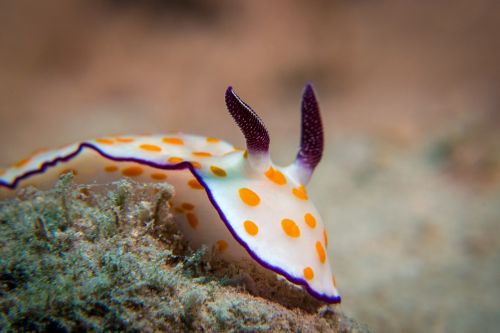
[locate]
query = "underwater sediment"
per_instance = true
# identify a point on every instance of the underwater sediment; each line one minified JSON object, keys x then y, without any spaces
{"x":110,"y":258}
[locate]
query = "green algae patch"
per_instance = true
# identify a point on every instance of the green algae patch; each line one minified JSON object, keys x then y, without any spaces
{"x":110,"y":258}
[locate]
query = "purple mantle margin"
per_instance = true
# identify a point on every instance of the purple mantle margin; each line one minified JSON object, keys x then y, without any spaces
{"x":179,"y":166}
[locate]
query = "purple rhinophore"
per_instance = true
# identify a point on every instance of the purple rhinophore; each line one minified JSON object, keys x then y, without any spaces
{"x":311,"y":138}
{"x":249,"y":122}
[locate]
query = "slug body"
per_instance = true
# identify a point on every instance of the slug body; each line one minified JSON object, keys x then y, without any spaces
{"x":235,"y":201}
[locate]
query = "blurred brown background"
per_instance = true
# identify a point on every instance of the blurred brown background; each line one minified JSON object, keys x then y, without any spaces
{"x":409,"y":91}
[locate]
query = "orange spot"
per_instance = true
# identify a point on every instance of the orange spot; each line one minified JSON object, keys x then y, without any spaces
{"x":321,"y":252}
{"x":249,"y":197}
{"x":245,"y":154}
{"x":192,"y":220}
{"x":187,"y":206}
{"x":334,"y":282}
{"x":308,"y":273}
{"x":110,"y":168}
{"x":124,"y":140}
{"x":290,"y":228}
{"x":149,"y":147}
{"x":221,"y":245}
{"x":132,"y":171}
{"x":85,"y":191}
{"x":212,"y":140}
{"x":325,"y":237}
{"x":275,"y":176}
{"x":251,"y":228}
{"x":2,"y":171}
{"x":300,"y":192}
{"x":175,"y":160}
{"x":173,"y":141}
{"x":158,"y":176}
{"x":194,"y":184}
{"x":201,"y":154}
{"x":74,"y":172}
{"x":104,"y":141}
{"x":195,"y":164}
{"x":310,"y":220}
{"x":218,"y":171}
{"x":22,"y":163}
{"x":179,"y":210}
{"x":39,"y":151}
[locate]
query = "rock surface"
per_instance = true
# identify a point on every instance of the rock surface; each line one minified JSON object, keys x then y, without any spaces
{"x":110,"y":258}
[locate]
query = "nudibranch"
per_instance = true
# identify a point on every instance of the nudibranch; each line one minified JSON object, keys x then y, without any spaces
{"x":235,"y":201}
